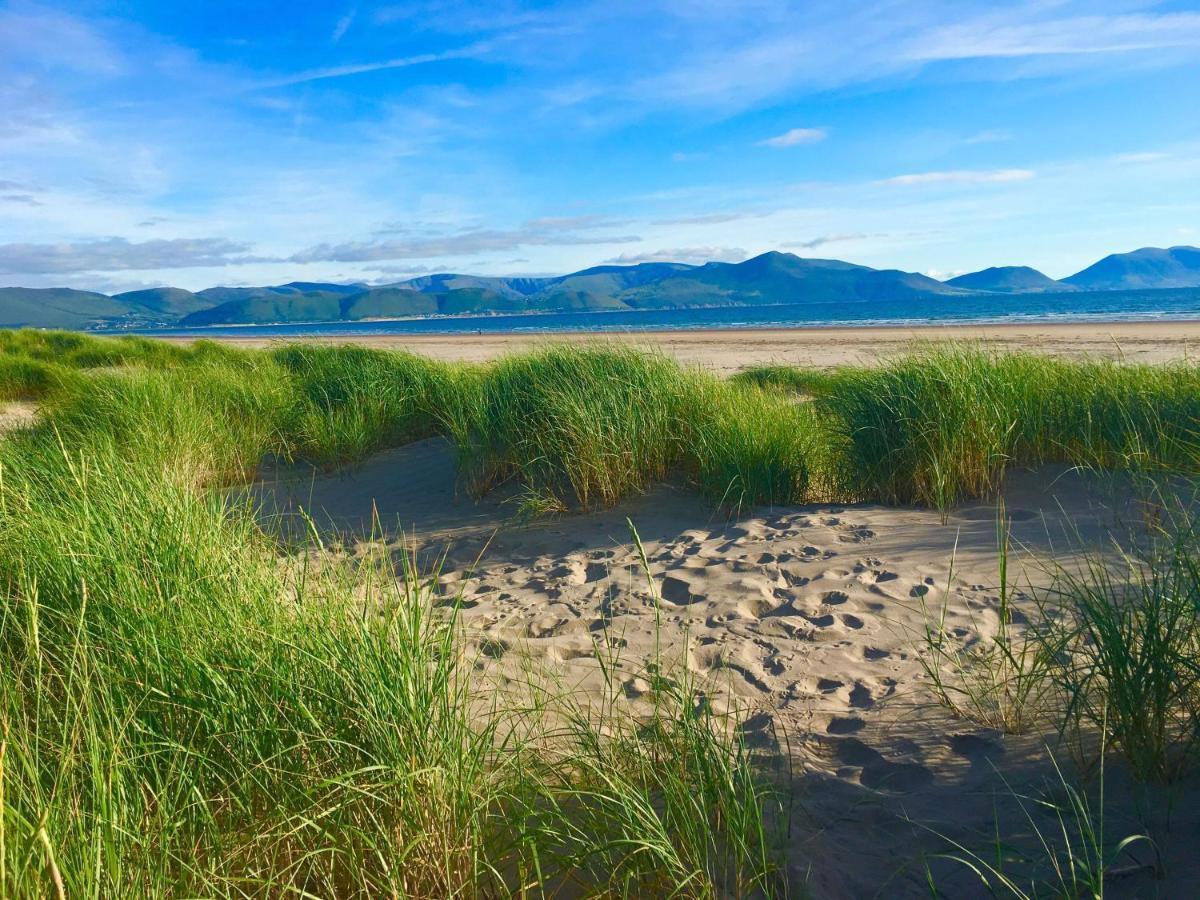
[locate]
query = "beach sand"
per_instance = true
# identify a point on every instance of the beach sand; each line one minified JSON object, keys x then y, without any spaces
{"x":808,"y":619}
{"x":729,"y":350}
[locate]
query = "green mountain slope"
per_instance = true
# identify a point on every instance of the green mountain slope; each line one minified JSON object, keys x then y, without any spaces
{"x":1150,"y":267}
{"x":318,"y":306}
{"x":59,"y":308}
{"x":771,"y":278}
{"x":1008,"y":280}
{"x":166,"y":301}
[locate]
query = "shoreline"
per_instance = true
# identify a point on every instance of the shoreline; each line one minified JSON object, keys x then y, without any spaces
{"x":729,"y":349}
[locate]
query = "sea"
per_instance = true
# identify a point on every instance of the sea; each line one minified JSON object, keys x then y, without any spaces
{"x":1098,"y":307}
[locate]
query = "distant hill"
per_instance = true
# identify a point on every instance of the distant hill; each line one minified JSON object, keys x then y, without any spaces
{"x":768,"y":279}
{"x":1150,"y":267}
{"x":444,"y":282}
{"x":269,"y":306}
{"x":1008,"y":280}
{"x":59,"y":308}
{"x":166,"y":301}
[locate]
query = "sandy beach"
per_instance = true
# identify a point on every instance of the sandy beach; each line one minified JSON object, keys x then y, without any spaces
{"x":809,"y":618}
{"x":729,"y":350}
{"x":805,"y":620}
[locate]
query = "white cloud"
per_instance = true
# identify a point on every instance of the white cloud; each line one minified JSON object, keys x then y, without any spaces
{"x":718,"y":218}
{"x":56,"y":40}
{"x":692,"y":255}
{"x":118,"y":254}
{"x":824,"y":239}
{"x":943,"y":275}
{"x":990,"y":136}
{"x":402,"y":62}
{"x":465,"y":243}
{"x":343,"y":25}
{"x":795,"y":137}
{"x":962,"y":176}
{"x":1003,"y":35}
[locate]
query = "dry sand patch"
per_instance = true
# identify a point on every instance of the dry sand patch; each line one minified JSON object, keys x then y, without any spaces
{"x":807,"y":618}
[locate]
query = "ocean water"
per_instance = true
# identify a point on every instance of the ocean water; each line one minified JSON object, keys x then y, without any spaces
{"x":1106,"y":306}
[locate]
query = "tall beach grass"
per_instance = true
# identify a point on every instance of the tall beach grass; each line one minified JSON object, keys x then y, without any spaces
{"x":184,"y":711}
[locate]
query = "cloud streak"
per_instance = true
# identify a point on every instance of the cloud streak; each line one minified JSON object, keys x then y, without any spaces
{"x":467,"y":243}
{"x":118,"y":254}
{"x":992,"y":36}
{"x":795,"y":137}
{"x":961,"y":176}
{"x":689,"y":255}
{"x":824,"y":239}
{"x":402,"y":62}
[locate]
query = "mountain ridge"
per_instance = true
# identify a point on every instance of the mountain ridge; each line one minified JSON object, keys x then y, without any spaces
{"x":770,"y":278}
{"x":1009,"y":280}
{"x":1148,"y":267}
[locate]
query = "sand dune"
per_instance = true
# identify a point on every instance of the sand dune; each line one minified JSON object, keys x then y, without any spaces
{"x":807,"y":618}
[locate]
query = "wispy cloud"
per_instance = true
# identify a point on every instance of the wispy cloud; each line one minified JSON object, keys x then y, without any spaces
{"x":990,"y":136}
{"x":56,"y":40}
{"x":824,"y":239}
{"x":1001,"y":35}
{"x":402,"y":62}
{"x":794,"y":137}
{"x":573,"y":223}
{"x":962,"y":176}
{"x":466,"y":243}
{"x":689,"y":255}
{"x":717,"y":218}
{"x":118,"y":254}
{"x":1145,"y":157}
{"x":343,"y":25}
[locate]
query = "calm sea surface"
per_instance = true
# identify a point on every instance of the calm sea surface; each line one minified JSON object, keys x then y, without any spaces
{"x":1108,"y":306}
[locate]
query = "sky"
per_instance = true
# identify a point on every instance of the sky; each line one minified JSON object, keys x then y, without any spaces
{"x":146,"y":143}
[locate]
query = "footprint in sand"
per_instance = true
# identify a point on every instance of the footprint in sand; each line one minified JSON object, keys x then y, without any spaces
{"x":845,"y":725}
{"x":855,"y":534}
{"x":757,"y":607}
{"x":595,"y":571}
{"x":545,"y":627}
{"x":880,"y":773}
{"x":678,"y":591}
{"x":493,"y":648}
{"x":773,"y":665}
{"x":861,"y":696}
{"x":636,"y":687}
{"x":978,"y":748}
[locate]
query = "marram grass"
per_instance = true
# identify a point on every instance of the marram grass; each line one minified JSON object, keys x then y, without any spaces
{"x":184,"y":713}
{"x":595,"y":424}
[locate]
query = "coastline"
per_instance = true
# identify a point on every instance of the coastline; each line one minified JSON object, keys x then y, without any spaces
{"x":730,"y":349}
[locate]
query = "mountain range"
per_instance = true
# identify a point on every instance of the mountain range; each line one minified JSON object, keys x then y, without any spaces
{"x":771,"y":278}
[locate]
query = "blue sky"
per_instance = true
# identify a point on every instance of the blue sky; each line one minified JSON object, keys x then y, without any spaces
{"x":193,"y":144}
